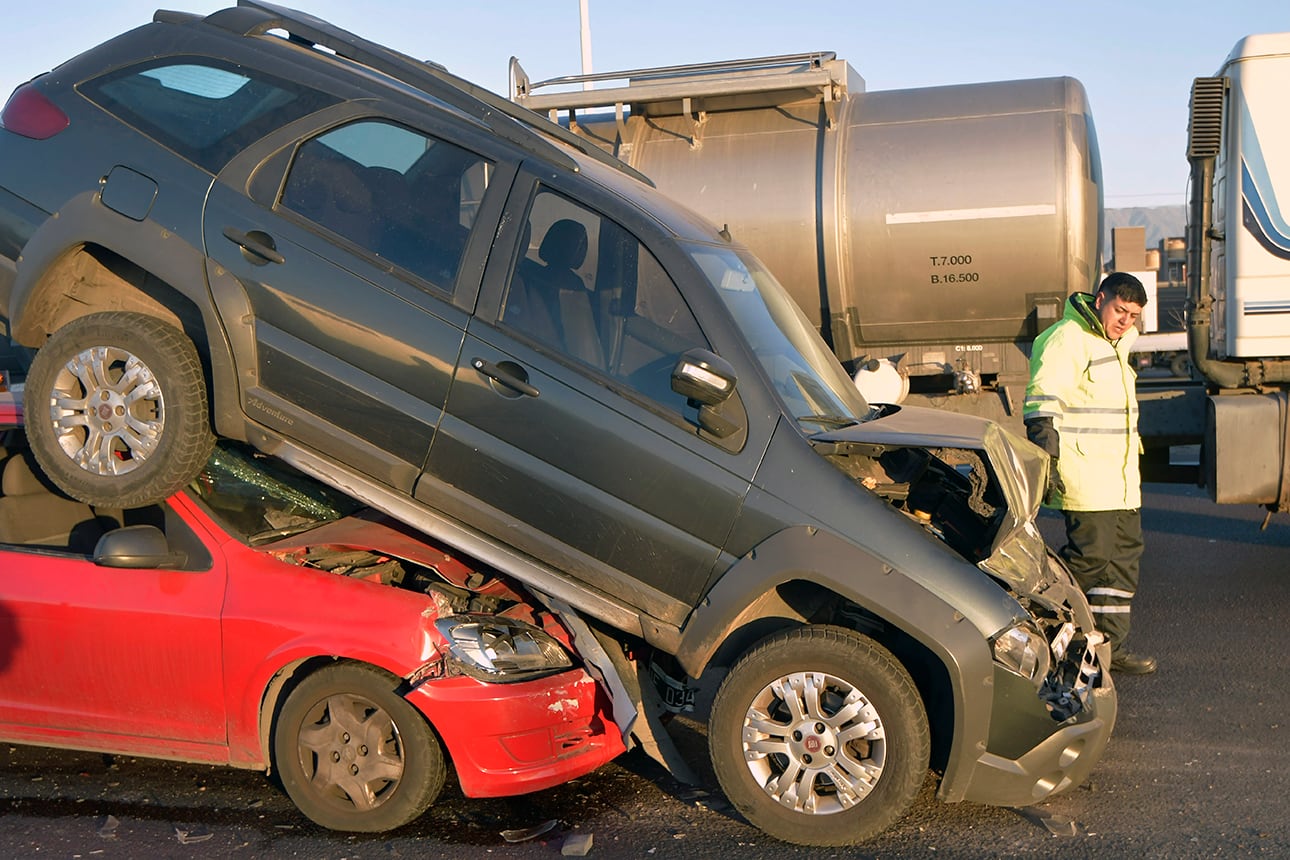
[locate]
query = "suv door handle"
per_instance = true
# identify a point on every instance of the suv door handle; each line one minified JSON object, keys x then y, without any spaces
{"x":255,"y":244}
{"x":507,"y":375}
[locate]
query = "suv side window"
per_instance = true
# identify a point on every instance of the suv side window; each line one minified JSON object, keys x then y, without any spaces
{"x":395,"y":192}
{"x":588,"y":288}
{"x":203,"y":109}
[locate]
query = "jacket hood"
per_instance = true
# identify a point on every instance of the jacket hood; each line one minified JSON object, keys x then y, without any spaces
{"x":1079,"y":307}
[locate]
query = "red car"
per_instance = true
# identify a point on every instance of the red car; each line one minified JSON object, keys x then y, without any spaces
{"x":263,"y":620}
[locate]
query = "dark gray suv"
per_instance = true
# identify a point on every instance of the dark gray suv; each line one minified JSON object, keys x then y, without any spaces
{"x":256,"y":225}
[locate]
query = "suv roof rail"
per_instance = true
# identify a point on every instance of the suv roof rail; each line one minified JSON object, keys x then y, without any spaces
{"x":516,"y":124}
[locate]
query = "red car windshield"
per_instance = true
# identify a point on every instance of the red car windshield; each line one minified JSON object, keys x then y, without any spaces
{"x":259,"y":499}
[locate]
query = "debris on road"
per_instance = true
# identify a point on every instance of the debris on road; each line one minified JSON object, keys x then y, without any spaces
{"x":187,"y":836}
{"x":526,"y":833}
{"x":107,"y":829}
{"x":577,"y":845}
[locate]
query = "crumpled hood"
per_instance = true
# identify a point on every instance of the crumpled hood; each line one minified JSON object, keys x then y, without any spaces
{"x":1018,"y":552}
{"x":372,"y":530}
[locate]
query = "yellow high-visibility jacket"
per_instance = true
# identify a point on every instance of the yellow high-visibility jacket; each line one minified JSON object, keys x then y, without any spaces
{"x":1084,"y":383}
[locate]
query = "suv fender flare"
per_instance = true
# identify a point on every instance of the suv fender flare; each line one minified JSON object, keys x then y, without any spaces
{"x":82,"y":222}
{"x":805,"y":554}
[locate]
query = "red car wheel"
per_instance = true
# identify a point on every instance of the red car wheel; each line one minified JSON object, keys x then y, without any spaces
{"x":353,"y":754}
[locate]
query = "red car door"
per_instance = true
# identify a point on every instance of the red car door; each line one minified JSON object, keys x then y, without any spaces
{"x":109,"y":658}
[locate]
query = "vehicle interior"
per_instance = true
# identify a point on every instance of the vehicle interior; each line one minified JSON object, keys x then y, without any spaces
{"x":35,"y":513}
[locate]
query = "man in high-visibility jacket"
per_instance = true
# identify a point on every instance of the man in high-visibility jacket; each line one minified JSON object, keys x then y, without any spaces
{"x":1082,"y":409}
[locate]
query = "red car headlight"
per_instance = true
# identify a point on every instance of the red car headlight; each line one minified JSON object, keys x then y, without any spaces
{"x":501,"y":650}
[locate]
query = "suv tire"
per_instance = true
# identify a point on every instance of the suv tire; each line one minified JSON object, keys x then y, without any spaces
{"x":116,"y":410}
{"x":803,"y":713}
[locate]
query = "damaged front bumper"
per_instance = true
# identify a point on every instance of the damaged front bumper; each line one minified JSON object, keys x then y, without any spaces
{"x":1061,"y":760}
{"x":516,"y":738}
{"x":1046,"y":741}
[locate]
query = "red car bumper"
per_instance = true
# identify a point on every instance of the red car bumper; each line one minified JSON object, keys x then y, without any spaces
{"x":516,"y":738}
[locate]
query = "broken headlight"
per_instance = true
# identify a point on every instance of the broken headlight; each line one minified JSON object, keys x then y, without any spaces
{"x":501,"y":650}
{"x":1023,"y":650}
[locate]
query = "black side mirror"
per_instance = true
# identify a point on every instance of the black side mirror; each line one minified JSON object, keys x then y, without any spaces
{"x":707,"y":380}
{"x":703,"y":376}
{"x":140,"y":547}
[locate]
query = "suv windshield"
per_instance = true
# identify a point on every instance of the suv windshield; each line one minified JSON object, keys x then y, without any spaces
{"x":806,"y":375}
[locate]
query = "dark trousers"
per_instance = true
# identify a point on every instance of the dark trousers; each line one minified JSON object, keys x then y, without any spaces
{"x":1102,"y":550}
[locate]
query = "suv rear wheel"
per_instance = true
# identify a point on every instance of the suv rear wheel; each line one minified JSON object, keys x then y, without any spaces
{"x":115,"y":407}
{"x":819,"y":737}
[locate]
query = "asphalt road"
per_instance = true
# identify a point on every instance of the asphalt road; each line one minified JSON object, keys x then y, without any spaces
{"x":1199,"y":765}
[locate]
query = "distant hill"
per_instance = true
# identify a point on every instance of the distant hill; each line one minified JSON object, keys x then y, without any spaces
{"x":1161,"y":222}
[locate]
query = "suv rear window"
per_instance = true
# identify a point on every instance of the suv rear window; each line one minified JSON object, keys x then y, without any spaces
{"x":203,"y":109}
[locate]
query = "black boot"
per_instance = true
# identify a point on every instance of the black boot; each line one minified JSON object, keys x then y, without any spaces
{"x":1132,"y":664}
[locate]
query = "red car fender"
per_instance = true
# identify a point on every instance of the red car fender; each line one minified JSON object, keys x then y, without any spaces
{"x":254,"y":687}
{"x":342,"y":618}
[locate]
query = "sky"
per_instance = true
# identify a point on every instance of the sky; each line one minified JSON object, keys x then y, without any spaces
{"x":1136,"y":58}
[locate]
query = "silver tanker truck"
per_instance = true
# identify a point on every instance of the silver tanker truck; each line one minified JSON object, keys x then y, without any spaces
{"x":930,"y":233}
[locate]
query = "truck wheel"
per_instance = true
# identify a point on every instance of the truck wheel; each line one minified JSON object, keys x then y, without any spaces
{"x":353,"y":754}
{"x":116,"y":410}
{"x":819,"y":737}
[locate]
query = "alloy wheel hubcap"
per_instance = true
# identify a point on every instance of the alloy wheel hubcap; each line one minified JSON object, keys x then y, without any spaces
{"x":107,"y":410}
{"x":814,"y":743}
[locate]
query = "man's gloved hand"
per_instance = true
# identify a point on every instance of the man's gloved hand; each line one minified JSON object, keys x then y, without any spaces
{"x":1055,"y":484}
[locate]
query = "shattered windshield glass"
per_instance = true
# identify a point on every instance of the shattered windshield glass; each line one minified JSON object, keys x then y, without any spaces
{"x":259,"y":499}
{"x":805,"y":374}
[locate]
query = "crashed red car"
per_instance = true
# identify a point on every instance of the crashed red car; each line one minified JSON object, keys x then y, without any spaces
{"x":262,"y":620}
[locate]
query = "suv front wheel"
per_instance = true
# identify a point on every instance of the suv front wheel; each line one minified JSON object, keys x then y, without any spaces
{"x":115,"y":409}
{"x":819,"y":737}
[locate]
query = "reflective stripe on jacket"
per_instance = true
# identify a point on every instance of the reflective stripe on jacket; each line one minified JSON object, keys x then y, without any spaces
{"x":1084,"y":383}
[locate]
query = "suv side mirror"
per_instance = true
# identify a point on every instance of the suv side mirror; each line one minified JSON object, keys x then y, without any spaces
{"x":704,"y":377}
{"x":707,"y":380}
{"x":139,"y":547}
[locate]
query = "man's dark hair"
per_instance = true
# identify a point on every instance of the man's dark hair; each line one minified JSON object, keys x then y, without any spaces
{"x":1125,"y":287}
